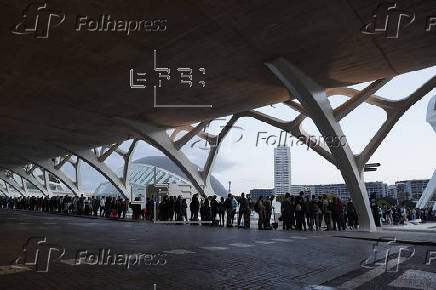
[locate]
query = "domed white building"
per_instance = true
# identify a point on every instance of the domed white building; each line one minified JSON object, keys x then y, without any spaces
{"x":142,"y":174}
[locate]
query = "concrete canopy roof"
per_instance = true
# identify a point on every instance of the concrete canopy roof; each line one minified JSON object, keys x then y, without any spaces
{"x":71,"y":87}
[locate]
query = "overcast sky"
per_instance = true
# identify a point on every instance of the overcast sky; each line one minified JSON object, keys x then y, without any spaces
{"x":408,"y":152}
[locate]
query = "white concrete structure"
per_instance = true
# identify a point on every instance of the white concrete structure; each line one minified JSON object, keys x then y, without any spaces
{"x":282,"y":170}
{"x":313,"y":102}
{"x":430,"y":190}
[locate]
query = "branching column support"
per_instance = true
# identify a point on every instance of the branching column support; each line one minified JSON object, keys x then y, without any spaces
{"x":314,"y":100}
{"x":4,"y":191}
{"x":53,"y":166}
{"x":7,"y":177}
{"x":96,"y":159}
{"x":314,"y":104}
{"x":26,"y":173}
{"x":168,"y":145}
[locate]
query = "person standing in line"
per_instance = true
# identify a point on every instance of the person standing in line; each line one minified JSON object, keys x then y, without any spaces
{"x":178,"y":208}
{"x":119,"y":207}
{"x":229,"y":209}
{"x":327,"y":212}
{"x":207,"y":211}
{"x":234,"y":208}
{"x":292,"y":217}
{"x":194,"y":206}
{"x":102,"y":206}
{"x":260,"y":209}
{"x":352,"y":215}
{"x":247,"y":211}
{"x":184,"y":207}
{"x":286,"y":212}
{"x":241,"y":202}
{"x":221,"y":211}
{"x":80,"y":205}
{"x":308,"y":206}
{"x":300,"y":210}
{"x":332,"y":207}
{"x":268,"y":212}
{"x":338,"y":213}
{"x":299,"y":214}
{"x":316,"y":212}
{"x":389,"y":216}
{"x":213,"y":209}
{"x":171,"y":207}
{"x":96,"y":205}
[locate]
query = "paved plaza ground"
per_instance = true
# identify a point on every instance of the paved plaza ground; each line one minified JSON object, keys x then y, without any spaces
{"x":201,"y":257}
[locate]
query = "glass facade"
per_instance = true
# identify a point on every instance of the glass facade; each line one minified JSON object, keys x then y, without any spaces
{"x":140,"y":176}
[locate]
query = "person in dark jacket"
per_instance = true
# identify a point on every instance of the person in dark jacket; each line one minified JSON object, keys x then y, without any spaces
{"x":213,"y":209}
{"x":241,"y":201}
{"x":221,"y":211}
{"x":286,"y":212}
{"x":194,"y":206}
{"x":260,"y":209}
{"x":229,"y":209}
{"x":299,"y":212}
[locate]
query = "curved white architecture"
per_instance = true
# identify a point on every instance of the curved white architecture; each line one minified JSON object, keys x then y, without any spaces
{"x":430,"y":190}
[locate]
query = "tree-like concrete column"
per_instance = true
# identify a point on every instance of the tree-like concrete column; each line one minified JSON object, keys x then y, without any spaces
{"x":430,"y":190}
{"x":315,"y":102}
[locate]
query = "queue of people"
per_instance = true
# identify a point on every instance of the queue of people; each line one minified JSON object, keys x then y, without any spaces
{"x":70,"y":205}
{"x":302,"y":212}
{"x":314,"y":212}
{"x":396,"y":215}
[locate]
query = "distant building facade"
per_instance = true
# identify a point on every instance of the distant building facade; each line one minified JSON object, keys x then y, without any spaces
{"x":379,"y":188}
{"x":282,"y":170}
{"x":413,"y":188}
{"x":256,"y":193}
{"x":340,"y":190}
{"x":392,"y":191}
{"x":402,"y":190}
{"x":402,"y":194}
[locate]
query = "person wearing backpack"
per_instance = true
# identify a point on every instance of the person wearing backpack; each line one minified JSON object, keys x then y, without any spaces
{"x":260,"y":209}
